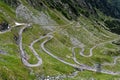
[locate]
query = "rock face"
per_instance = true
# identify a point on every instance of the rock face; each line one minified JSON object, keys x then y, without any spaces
{"x":22,"y":11}
{"x":41,"y":18}
{"x":76,"y":42}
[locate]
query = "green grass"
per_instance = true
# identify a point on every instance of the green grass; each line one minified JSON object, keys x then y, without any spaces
{"x":52,"y":66}
{"x":87,"y":75}
{"x":57,"y":17}
{"x":88,"y":32}
{"x":11,"y":67}
{"x":7,"y":13}
{"x":58,"y":49}
{"x":31,"y":58}
{"x":30,"y":35}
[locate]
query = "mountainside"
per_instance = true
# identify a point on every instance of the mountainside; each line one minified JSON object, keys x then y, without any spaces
{"x":75,"y":6}
{"x":59,"y":39}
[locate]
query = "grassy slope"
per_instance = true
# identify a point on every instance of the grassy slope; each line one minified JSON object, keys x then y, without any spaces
{"x":10,"y":64}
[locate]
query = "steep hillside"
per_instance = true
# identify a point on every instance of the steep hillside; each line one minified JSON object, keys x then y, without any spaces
{"x":73,"y":8}
{"x":59,"y":39}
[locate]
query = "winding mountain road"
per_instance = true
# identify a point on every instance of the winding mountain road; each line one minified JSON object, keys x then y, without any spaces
{"x":45,"y":50}
{"x":74,"y":56}
{"x":91,"y":51}
{"x":23,"y":57}
{"x":94,"y":69}
{"x":48,"y":38}
{"x":111,"y":64}
{"x":80,"y":67}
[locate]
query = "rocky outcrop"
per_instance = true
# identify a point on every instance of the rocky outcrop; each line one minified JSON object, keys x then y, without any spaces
{"x":41,"y":18}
